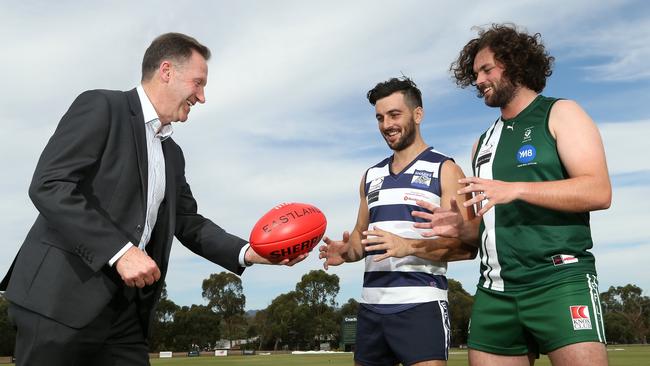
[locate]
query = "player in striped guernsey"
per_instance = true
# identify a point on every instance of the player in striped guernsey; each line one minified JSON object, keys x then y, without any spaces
{"x":404,"y":315}
{"x":540,"y":168}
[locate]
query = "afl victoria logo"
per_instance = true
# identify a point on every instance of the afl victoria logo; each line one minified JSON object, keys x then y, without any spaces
{"x":526,"y":154}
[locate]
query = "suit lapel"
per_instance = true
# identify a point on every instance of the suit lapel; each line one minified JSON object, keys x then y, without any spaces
{"x":139,"y":136}
{"x":170,"y":200}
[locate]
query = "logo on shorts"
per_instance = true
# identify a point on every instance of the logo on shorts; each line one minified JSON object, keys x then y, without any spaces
{"x":561,"y":259}
{"x":580,"y":317}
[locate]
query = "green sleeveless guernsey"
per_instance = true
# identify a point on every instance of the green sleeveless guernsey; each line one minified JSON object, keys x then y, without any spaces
{"x":523,"y":245}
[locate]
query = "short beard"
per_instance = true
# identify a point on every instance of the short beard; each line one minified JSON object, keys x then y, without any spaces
{"x":406,"y":140}
{"x":501,"y":96}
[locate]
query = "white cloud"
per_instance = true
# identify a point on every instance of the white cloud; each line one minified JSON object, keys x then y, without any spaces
{"x":625,"y":145}
{"x":625,"y":48}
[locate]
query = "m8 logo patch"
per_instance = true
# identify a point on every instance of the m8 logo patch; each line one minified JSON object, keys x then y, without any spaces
{"x":526,"y":154}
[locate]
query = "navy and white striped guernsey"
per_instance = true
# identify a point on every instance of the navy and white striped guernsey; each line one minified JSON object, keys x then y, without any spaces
{"x":396,"y":284}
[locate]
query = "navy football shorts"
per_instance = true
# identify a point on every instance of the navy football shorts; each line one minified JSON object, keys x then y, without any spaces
{"x":420,"y":333}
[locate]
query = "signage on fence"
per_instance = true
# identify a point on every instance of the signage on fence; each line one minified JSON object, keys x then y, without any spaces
{"x":221,"y":352}
{"x":165,"y":354}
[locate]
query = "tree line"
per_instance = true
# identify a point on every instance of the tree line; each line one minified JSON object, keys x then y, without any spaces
{"x":309,"y":316}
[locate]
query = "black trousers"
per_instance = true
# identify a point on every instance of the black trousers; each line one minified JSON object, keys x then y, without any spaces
{"x":114,"y":338}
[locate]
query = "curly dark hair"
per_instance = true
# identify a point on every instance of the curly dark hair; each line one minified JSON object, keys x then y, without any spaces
{"x":524,"y":57}
{"x":412,"y":95}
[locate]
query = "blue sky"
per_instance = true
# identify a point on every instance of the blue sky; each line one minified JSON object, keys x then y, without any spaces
{"x":286,"y":117}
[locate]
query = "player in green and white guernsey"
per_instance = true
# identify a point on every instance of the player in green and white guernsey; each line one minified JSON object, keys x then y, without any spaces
{"x":539,"y":170}
{"x":532,"y":240}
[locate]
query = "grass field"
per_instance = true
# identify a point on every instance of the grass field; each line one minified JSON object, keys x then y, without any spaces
{"x":622,"y":355}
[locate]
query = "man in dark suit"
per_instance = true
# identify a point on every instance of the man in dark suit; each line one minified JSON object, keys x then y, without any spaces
{"x":111,"y":193}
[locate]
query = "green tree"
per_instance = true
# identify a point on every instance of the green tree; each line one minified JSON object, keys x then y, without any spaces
{"x":197,"y":324}
{"x":350,"y":308}
{"x":260,"y":328}
{"x":617,"y":328}
{"x":283,"y":321}
{"x":7,"y":331}
{"x":629,"y":302}
{"x":226,"y":298}
{"x":162,"y":337}
{"x":460,"y":310}
{"x":317,"y":293}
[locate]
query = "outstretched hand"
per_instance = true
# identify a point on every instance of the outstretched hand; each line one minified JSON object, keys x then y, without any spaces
{"x":442,"y":222}
{"x":487,"y":193}
{"x":334,"y":250}
{"x":378,"y":239}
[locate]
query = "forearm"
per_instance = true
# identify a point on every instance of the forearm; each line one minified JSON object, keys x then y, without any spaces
{"x":468,"y":232}
{"x":443,"y":249}
{"x":579,"y":194}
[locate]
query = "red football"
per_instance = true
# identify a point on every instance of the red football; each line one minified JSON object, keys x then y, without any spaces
{"x":288,"y":230}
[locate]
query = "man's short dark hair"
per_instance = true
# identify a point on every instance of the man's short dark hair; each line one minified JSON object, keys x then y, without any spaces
{"x":412,"y":95}
{"x":524,"y":57}
{"x":172,"y":46}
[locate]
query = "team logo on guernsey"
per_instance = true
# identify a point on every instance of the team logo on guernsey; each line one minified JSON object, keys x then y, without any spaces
{"x":421,"y":178}
{"x":528,"y":134}
{"x":580,"y":317}
{"x":526,"y":154}
{"x":375,"y":184}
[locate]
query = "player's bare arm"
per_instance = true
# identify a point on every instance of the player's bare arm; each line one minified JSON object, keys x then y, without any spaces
{"x":581,"y":151}
{"x":443,"y":249}
{"x":349,"y":249}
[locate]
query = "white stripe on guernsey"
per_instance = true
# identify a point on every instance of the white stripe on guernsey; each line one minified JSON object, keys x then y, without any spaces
{"x":374,"y":173}
{"x":424,"y":165}
{"x":405,"y":264}
{"x":402,"y":295}
{"x":404,"y":229}
{"x":592,"y":282}
{"x":404,"y":196}
{"x":492,"y":274}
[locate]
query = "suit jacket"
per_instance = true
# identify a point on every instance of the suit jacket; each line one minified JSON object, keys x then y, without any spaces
{"x":90,"y":188}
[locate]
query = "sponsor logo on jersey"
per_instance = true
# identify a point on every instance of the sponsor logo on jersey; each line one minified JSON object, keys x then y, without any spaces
{"x":414,"y":196}
{"x":376,"y":184}
{"x":485,"y":154}
{"x":526,"y":154}
{"x":421,"y":178}
{"x":580,"y":317}
{"x":373,"y":197}
{"x":561,"y":259}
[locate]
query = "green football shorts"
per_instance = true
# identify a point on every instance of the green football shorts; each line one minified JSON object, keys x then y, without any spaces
{"x":541,"y":319}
